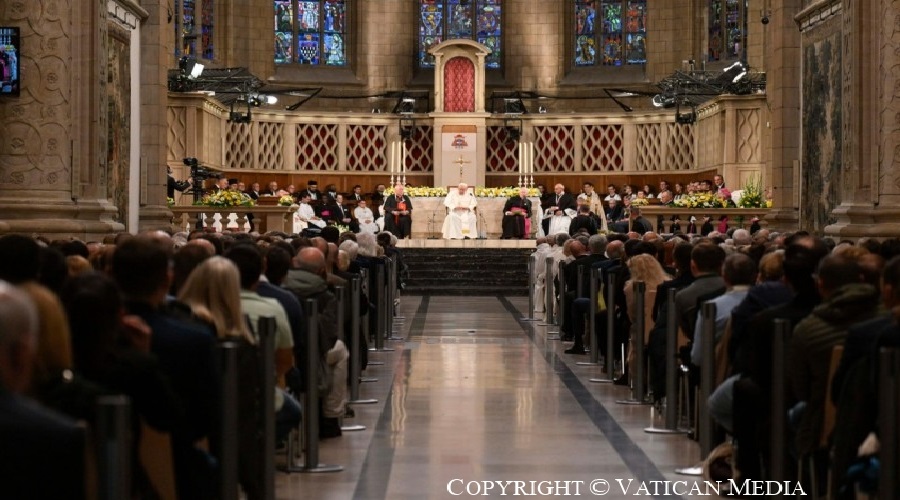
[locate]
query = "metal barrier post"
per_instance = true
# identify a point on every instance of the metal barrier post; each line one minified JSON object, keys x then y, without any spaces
{"x":561,"y":277}
{"x":671,"y":411}
{"x":707,"y":378}
{"x":113,"y":438}
{"x":592,"y":317}
{"x":367,"y":290}
{"x":592,"y":361}
{"x":265,"y":330}
{"x":779,"y":401}
{"x":888,"y":416}
{"x":228,"y":429}
{"x":531,"y":282}
{"x":548,"y":292}
{"x":392,"y":301}
{"x":609,"y":367}
{"x":638,"y":393}
{"x":356,"y":346}
{"x":311,"y":402}
{"x":380,"y":308}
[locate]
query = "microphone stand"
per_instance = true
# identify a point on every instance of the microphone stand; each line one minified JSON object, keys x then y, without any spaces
{"x":431,"y":235}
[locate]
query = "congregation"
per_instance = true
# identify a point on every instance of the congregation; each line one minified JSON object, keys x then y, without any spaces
{"x":141,"y":315}
{"x":840,"y":300}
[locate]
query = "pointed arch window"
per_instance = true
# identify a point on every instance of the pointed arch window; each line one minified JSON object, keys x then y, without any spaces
{"x":478,"y":20}
{"x":194,"y":28}
{"x":311,"y":32}
{"x":610,"y":32}
{"x":727,"y":33}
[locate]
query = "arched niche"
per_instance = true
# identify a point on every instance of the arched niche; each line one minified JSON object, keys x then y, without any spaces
{"x":459,"y":76}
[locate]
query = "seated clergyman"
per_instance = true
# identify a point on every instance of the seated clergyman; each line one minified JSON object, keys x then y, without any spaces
{"x":460,"y":221}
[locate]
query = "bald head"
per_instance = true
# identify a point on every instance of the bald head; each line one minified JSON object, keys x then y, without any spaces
{"x":310,"y":259}
{"x":615,"y":249}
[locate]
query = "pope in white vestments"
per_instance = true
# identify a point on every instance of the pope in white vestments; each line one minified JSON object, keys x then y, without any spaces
{"x":365,"y":218}
{"x":460,"y":221}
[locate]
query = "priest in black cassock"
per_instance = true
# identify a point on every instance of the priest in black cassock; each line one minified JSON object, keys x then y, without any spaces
{"x":517,"y":216}
{"x":397,"y":213}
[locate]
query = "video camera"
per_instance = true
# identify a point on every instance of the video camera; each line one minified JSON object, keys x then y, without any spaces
{"x":198,"y":173}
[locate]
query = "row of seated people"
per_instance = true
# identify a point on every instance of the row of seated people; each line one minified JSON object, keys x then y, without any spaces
{"x":141,"y":316}
{"x":832,"y":295}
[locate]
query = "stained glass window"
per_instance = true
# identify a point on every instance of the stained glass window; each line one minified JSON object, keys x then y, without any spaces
{"x":311,"y":32}
{"x":727,"y":29}
{"x":191,"y":16}
{"x":478,"y":20}
{"x":610,"y":32}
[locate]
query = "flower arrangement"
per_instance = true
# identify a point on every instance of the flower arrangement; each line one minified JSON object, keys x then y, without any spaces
{"x":342,"y":228}
{"x":483,"y":192}
{"x":701,"y":200}
{"x":751,"y":194}
{"x":638,"y":202}
{"x":226,"y":199}
{"x":286,"y":201}
{"x":170,"y":202}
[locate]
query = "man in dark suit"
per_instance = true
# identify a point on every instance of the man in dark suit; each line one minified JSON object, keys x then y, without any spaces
{"x":356,"y":195}
{"x":271,"y":189}
{"x":172,"y":185}
{"x":185,"y":351}
{"x":584,"y":220}
{"x":28,"y":431}
{"x":253,"y":193}
{"x":312,"y":189}
{"x":613,"y":211}
{"x":559,"y":215}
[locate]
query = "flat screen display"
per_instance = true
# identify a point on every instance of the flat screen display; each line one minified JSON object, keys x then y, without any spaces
{"x":10,"y":53}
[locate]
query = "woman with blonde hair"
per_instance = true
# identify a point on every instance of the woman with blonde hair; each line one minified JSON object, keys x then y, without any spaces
{"x":213,"y":292}
{"x":645,"y":268}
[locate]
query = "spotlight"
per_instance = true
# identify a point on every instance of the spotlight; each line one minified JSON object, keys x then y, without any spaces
{"x":406,"y":106}
{"x":257,"y":99}
{"x":190,"y":68}
{"x":514,"y":106}
{"x":513,"y":133}
{"x":542,"y":110}
{"x":663,"y":100}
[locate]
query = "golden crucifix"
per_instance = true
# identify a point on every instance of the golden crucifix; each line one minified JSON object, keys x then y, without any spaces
{"x":459,"y":161}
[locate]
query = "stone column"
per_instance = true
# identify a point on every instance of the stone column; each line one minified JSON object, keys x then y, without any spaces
{"x":781,"y":62}
{"x":156,"y":59}
{"x":870,"y":180}
{"x":53,"y":157}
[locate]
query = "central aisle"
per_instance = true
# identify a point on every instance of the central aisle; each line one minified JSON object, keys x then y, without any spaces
{"x":476,"y":395}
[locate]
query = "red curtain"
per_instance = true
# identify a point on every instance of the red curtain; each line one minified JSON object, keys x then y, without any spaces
{"x":459,"y":85}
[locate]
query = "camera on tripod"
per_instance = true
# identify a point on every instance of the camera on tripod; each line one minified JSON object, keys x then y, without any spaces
{"x":198,"y":173}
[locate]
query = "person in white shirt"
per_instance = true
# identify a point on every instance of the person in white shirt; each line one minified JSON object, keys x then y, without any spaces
{"x":366,"y":219}
{"x":460,"y":221}
{"x":305,"y":216}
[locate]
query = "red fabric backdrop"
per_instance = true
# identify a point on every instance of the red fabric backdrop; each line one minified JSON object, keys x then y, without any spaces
{"x":459,"y":85}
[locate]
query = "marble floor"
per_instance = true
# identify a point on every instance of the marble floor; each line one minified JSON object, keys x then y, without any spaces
{"x":474,"y":397}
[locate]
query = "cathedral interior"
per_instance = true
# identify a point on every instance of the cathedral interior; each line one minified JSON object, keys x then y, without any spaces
{"x":98,"y":98}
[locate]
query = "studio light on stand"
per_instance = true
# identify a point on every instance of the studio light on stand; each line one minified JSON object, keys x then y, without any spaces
{"x":235,"y":115}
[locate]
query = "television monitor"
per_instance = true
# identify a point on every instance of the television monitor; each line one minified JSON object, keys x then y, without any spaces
{"x":10,"y":53}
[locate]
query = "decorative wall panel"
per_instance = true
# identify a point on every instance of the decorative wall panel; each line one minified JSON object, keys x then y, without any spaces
{"x":502,"y":152}
{"x":271,"y":146}
{"x":239,"y":145}
{"x":366,"y":146}
{"x":317,"y":146}
{"x":602,"y":148}
{"x":420,"y":150}
{"x":554,"y":148}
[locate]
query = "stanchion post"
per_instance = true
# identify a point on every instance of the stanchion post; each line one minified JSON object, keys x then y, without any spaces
{"x":779,"y":401}
{"x":592,"y":317}
{"x":888,"y":416}
{"x":561,"y":278}
{"x":356,"y":345}
{"x":113,"y":438}
{"x":638,"y":289}
{"x":265,"y":330}
{"x":228,"y":422}
{"x":671,"y":353}
{"x":548,"y":291}
{"x":609,"y":359}
{"x":531,"y":287}
{"x":707,"y":377}
{"x":311,"y":403}
{"x":592,"y":361}
{"x":392,"y":300}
